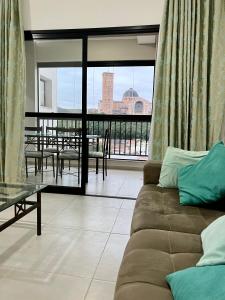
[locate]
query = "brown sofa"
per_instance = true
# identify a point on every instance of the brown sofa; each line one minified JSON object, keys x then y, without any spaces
{"x":165,"y":237}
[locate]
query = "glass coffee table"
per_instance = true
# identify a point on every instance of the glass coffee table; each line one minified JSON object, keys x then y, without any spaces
{"x":15,"y":195}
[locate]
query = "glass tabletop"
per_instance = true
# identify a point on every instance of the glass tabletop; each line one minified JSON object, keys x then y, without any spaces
{"x":13,"y":193}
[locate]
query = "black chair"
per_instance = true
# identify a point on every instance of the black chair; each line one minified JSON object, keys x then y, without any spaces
{"x":34,"y":138}
{"x":51,"y":140}
{"x":103,"y":154}
{"x":69,"y":148}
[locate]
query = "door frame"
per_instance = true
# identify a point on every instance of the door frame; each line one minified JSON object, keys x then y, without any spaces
{"x":84,"y":34}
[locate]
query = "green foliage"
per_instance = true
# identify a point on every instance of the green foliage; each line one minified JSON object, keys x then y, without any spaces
{"x":118,"y":130}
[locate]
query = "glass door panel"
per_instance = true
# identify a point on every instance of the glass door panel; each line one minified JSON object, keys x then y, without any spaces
{"x":53,"y":152}
{"x":60,"y":89}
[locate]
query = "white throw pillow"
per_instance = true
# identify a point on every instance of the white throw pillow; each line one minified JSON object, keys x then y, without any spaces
{"x":213,"y":243}
{"x":174,"y":160}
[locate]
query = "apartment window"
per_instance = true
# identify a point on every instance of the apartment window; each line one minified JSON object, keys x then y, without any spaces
{"x":42,"y":92}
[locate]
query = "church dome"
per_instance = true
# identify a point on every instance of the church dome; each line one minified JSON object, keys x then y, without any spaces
{"x":131,"y":93}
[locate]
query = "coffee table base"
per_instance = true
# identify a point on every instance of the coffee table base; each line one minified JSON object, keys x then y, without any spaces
{"x":21,"y":210}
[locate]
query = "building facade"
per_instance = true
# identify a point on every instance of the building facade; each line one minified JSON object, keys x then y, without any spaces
{"x":131,"y":103}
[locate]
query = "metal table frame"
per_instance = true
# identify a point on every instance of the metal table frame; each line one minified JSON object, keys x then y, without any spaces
{"x":21,"y":210}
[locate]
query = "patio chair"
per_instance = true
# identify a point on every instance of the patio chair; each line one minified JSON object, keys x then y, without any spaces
{"x":35,"y":139}
{"x":102,"y":154}
{"x":69,"y":148}
{"x":51,"y":142}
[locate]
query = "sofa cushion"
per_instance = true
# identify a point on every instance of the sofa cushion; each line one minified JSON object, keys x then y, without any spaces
{"x":174,"y":160}
{"x":152,"y":169}
{"x":213,"y":243}
{"x":159,"y":208}
{"x":142,"y":291}
{"x":204,"y":181}
{"x":149,"y":257}
{"x":202,"y":283}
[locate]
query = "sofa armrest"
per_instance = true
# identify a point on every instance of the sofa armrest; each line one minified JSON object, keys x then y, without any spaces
{"x":152,"y":171}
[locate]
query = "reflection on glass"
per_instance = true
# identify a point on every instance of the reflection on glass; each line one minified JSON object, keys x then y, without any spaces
{"x":60,"y":89}
{"x":53,"y":151}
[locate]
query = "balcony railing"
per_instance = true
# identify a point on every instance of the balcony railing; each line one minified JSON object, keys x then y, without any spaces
{"x":129,"y":134}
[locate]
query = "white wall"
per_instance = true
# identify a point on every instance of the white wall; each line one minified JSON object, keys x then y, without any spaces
{"x":50,"y":77}
{"x":58,"y":14}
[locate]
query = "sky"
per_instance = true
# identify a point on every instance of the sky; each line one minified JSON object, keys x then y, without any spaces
{"x":70,"y":84}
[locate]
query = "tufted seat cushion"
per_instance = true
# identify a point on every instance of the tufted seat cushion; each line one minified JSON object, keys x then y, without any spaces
{"x":150,"y":255}
{"x":159,"y":208}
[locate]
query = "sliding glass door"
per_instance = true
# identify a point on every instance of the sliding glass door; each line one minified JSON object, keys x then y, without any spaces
{"x":55,"y":107}
{"x":82,"y":84}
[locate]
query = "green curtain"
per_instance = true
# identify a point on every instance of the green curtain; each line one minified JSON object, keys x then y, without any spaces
{"x":189,"y":96}
{"x":12,"y":91}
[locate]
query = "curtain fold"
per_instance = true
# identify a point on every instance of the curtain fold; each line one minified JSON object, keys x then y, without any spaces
{"x":12,"y":92}
{"x":189,"y":95}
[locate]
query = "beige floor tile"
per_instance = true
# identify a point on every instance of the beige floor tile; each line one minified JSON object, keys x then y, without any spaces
{"x":15,"y":238}
{"x":128,"y":204}
{"x":87,"y":217}
{"x":84,"y":256}
{"x":109,"y":187}
{"x":52,"y":204}
{"x":61,"y":251}
{"x":32,"y":252}
{"x":111,"y":259}
{"x":131,"y":185}
{"x":22,"y":285}
{"x":123,"y":221}
{"x":101,"y":290}
{"x":69,"y":178}
{"x":106,"y":189}
{"x":91,"y":201}
{"x":130,"y":190}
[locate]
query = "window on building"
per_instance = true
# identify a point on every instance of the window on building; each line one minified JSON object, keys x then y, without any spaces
{"x":139,"y":107}
{"x":42,"y":92}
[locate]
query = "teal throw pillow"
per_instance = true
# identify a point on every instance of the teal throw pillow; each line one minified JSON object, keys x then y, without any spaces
{"x":198,"y":283}
{"x":204,"y":182}
{"x":213,"y":243}
{"x":174,"y":160}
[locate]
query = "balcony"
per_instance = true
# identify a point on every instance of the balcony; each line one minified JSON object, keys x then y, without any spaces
{"x":129,"y":134}
{"x":128,"y":149}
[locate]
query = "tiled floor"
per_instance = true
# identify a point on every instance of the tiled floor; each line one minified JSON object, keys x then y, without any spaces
{"x":76,"y":257}
{"x":119,"y":183}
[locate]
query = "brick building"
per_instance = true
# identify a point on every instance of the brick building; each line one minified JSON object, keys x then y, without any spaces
{"x":131,"y":103}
